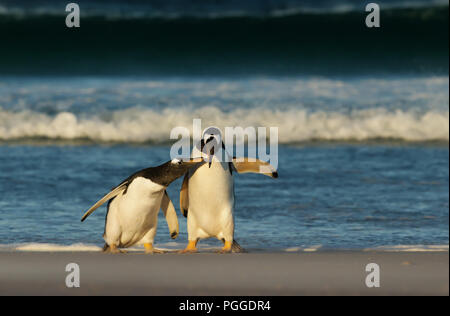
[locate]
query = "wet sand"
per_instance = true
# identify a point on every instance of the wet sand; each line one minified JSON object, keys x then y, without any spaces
{"x":318,"y":273}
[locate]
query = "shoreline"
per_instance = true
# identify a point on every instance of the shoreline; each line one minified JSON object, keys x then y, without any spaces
{"x":306,"y":273}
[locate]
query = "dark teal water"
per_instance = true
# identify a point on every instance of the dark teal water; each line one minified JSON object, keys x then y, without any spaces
{"x":234,"y":38}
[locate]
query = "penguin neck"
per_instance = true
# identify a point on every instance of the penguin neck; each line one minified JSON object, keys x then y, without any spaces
{"x":164,"y":174}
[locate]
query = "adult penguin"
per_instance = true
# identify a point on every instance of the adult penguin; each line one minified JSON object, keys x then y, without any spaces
{"x":213,"y":216}
{"x":132,"y":215}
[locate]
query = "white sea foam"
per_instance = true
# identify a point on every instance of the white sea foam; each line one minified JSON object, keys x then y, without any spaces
{"x":394,"y":248}
{"x":78,"y":247}
{"x":45,"y":247}
{"x":304,"y":249}
{"x":81,"y":247}
{"x":172,"y":246}
{"x":410,"y":248}
{"x":295,"y":125}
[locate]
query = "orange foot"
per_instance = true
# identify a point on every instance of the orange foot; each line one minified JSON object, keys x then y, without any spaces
{"x":191,"y":247}
{"x":150,"y":250}
{"x":226,"y":247}
{"x":114,"y":250}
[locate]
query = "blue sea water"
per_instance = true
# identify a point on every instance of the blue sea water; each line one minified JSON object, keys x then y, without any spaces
{"x":363,"y":162}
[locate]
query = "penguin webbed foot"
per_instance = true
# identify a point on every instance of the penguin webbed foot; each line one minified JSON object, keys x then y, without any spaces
{"x":227,"y":247}
{"x":231,"y":247}
{"x":185,"y":251}
{"x":113,"y":249}
{"x":191,"y":248}
{"x":150,"y":250}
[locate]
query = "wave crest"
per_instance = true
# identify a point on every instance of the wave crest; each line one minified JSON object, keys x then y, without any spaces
{"x":139,"y":125}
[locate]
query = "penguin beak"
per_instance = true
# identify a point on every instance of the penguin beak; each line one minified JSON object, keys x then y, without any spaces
{"x":209,"y":139}
{"x":193,"y":161}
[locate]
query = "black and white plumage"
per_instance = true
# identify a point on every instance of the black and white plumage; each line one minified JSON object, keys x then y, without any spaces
{"x":132,"y":215}
{"x":214,"y":216}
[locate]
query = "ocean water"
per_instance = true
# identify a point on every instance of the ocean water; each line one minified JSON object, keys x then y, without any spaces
{"x":363,"y":163}
{"x":363,"y":119}
{"x":233,"y":38}
{"x":342,"y":196}
{"x":146,"y":110}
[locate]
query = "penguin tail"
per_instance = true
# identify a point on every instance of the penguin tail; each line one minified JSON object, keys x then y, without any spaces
{"x":105,"y":247}
{"x":235,"y":247}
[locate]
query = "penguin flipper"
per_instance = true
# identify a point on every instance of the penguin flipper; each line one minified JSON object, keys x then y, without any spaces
{"x":252,"y":165}
{"x":107,"y":197}
{"x":184,"y":196}
{"x":171,"y":215}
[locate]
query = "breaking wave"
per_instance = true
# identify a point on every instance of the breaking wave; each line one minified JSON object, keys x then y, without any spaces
{"x":137,"y":125}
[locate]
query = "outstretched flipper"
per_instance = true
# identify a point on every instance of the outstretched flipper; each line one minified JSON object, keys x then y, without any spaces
{"x":253,"y":165}
{"x":116,"y":191}
{"x":184,"y":196}
{"x":171,"y":215}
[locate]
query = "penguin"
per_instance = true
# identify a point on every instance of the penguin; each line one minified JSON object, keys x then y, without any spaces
{"x":133,"y":206}
{"x":214,"y":217}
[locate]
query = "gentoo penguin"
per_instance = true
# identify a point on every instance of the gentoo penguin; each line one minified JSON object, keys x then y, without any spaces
{"x":214,"y":216}
{"x":134,"y":205}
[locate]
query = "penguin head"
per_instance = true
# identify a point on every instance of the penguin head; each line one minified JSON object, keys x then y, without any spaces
{"x":211,"y":143}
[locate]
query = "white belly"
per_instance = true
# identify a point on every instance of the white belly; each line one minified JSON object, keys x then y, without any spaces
{"x":211,"y":202}
{"x":133,"y":217}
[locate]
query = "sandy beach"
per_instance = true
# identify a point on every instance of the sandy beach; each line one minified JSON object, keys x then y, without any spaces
{"x":318,"y":273}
